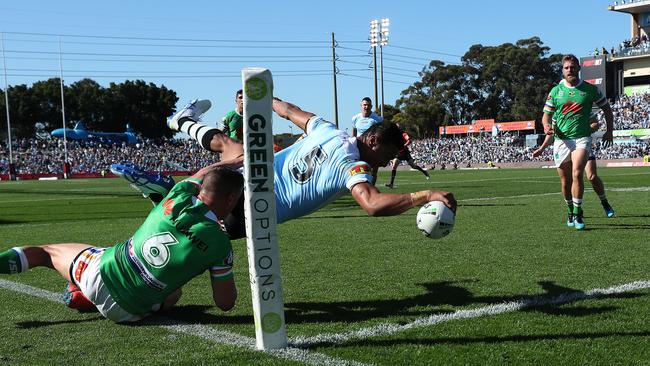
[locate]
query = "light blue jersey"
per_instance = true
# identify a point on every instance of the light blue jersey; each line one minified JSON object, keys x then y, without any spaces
{"x":317,"y":170}
{"x":362,"y":123}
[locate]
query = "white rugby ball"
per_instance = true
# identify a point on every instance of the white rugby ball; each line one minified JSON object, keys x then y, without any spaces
{"x":435,"y":220}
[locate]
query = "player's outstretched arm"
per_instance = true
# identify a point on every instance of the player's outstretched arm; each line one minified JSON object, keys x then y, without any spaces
{"x":376,"y":203}
{"x":292,"y":112}
{"x":224,"y":294}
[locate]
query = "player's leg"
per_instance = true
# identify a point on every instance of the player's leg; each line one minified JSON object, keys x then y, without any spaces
{"x":562,"y":159}
{"x":210,"y":138}
{"x":152,"y":186}
{"x":564,"y":172}
{"x":599,"y":187}
{"x":413,"y":165}
{"x":54,"y":256}
{"x":393,"y":173}
{"x":579,"y":160}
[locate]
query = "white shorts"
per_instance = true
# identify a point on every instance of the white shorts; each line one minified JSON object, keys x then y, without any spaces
{"x":562,"y":149}
{"x":84,"y":271}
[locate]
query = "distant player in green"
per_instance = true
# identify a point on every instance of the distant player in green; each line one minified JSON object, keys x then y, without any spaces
{"x":233,"y":121}
{"x":569,"y":105}
{"x":180,"y":239}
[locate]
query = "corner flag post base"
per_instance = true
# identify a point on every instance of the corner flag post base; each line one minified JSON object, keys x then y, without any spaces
{"x":259,"y":208}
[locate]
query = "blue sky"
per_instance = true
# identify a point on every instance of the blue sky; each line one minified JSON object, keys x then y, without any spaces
{"x":197,"y":48}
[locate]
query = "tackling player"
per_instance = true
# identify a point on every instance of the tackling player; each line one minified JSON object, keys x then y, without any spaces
{"x":180,"y":239}
{"x":569,"y":104}
{"x":319,"y":168}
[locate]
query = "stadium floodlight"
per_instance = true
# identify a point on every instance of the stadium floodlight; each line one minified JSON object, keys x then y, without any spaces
{"x":259,"y":208}
{"x":374,"y":42}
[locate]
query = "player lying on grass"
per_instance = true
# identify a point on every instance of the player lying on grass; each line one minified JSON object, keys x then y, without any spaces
{"x":592,"y":175}
{"x":317,"y":169}
{"x":180,"y":239}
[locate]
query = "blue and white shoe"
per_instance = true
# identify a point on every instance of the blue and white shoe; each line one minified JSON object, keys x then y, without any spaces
{"x":194,"y":110}
{"x":145,"y":183}
{"x":578,"y":222}
{"x":609,"y":211}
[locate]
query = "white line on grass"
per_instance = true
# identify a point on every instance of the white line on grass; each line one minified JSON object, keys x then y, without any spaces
{"x":202,"y":331}
{"x":387,"y":329}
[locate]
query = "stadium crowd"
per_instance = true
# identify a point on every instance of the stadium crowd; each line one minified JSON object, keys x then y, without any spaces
{"x":37,"y":156}
{"x":32,"y":156}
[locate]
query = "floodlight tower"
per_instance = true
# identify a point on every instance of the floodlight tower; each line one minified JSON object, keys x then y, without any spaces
{"x":374,"y":42}
{"x":383,"y":41}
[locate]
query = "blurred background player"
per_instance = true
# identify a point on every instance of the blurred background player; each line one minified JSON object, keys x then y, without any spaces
{"x":404,"y":155}
{"x":591,"y":169}
{"x":233,"y":121}
{"x":569,"y":103}
{"x":366,"y":118}
{"x":180,"y":239}
{"x":319,"y":168}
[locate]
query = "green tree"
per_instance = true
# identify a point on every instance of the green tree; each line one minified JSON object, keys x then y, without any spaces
{"x":84,"y":101}
{"x":143,"y":106}
{"x":507,"y":82}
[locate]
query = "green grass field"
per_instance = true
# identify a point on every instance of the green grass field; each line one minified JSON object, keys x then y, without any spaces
{"x":364,"y":290}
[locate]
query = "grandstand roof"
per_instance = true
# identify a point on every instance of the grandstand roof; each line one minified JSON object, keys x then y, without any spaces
{"x":631,"y":6}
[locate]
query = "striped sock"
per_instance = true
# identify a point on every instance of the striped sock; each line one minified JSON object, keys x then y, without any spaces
{"x":603,"y":197}
{"x":13,"y":261}
{"x":577,"y":206}
{"x":198,"y":131}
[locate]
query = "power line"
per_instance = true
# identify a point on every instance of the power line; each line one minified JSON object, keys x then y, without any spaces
{"x":162,"y":45}
{"x":169,"y":39}
{"x":369,"y":78}
{"x":427,"y":51}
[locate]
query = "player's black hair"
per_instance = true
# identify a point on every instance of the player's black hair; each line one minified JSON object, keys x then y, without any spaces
{"x":366,"y":99}
{"x":387,"y":133}
{"x":223,"y":181}
{"x":239,"y":92}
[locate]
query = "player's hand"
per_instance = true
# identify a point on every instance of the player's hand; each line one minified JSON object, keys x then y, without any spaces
{"x":445,"y":197}
{"x":608,"y":139}
{"x":594,"y":126}
{"x":537,"y":153}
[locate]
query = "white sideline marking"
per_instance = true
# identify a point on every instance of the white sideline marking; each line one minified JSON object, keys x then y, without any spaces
{"x":387,"y":329}
{"x":202,"y":331}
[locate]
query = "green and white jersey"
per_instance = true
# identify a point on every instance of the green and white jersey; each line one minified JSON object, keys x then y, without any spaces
{"x":180,"y":239}
{"x":571,"y":108}
{"x":233,"y":124}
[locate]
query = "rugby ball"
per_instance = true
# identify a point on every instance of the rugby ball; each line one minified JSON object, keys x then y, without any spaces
{"x":435,"y":220}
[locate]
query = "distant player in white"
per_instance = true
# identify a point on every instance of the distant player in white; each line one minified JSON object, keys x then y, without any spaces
{"x":319,"y":168}
{"x":362,"y":121}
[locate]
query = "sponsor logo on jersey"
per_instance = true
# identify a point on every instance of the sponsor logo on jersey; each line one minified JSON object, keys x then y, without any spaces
{"x":560,"y":93}
{"x":572,"y":94}
{"x":360,"y":169}
{"x":168,"y":205}
{"x":549,"y":97}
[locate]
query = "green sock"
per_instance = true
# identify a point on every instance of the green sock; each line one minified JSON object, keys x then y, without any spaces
{"x":577,"y":210}
{"x":13,"y":261}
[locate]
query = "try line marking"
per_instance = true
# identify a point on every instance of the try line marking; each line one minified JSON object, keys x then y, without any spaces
{"x":203,"y":331}
{"x":297,"y":352}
